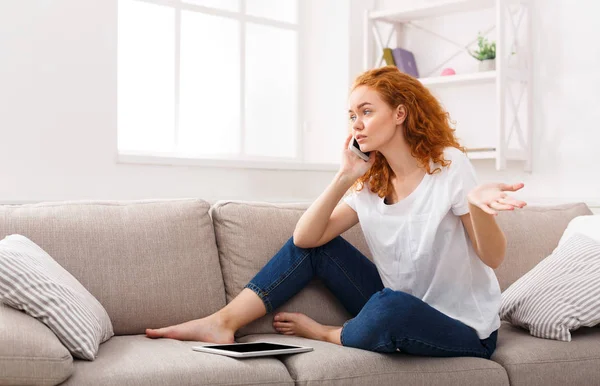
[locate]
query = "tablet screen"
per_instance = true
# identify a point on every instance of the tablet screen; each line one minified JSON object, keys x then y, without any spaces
{"x":251,"y":347}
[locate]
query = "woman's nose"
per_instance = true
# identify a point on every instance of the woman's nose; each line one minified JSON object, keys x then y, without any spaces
{"x":357,"y":125}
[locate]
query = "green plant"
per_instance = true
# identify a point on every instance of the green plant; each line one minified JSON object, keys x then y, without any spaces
{"x":486,"y":49}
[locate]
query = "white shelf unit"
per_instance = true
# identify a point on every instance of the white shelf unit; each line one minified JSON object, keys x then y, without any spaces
{"x":509,"y":17}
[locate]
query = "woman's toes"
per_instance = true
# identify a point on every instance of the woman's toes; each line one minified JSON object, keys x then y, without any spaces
{"x":282,"y":326}
{"x":285,"y":331}
{"x":284,"y":316}
{"x":156,"y":333}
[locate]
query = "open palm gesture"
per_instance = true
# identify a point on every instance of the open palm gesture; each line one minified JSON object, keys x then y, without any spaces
{"x":492,"y":197}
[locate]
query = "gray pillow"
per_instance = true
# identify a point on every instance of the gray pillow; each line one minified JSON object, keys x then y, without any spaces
{"x":32,"y":281}
{"x":560,"y":294}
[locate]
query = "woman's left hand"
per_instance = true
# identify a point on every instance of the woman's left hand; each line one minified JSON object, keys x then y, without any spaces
{"x":492,"y":198}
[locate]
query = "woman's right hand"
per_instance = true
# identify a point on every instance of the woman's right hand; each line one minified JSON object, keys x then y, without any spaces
{"x":352,"y":165}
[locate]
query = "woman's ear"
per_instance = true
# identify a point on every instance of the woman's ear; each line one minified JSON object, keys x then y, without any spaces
{"x":400,"y":114}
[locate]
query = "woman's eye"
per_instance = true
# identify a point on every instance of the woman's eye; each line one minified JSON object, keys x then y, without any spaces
{"x":366,"y":111}
{"x":353,"y":118}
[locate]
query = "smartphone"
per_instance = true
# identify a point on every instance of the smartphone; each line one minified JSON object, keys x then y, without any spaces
{"x":353,"y":145}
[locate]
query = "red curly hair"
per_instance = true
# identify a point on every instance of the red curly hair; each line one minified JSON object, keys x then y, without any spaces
{"x":427,"y":126}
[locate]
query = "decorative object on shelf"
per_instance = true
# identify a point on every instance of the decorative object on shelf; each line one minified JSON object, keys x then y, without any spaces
{"x":486,"y":54}
{"x":388,"y":57}
{"x":448,"y":71}
{"x":405,"y":61}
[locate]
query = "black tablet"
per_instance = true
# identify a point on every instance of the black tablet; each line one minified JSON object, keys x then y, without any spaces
{"x":251,"y":349}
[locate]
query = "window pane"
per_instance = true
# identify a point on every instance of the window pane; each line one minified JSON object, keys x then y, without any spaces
{"x":227,"y":5}
{"x":271,"y":91}
{"x":209,"y":121}
{"x":145,"y":76}
{"x":281,"y":10}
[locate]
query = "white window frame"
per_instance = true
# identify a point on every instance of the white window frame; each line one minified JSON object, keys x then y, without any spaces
{"x":243,"y":160}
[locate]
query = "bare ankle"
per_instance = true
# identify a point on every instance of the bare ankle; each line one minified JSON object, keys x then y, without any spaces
{"x":242,"y":310}
{"x":224,"y":321}
{"x":333,"y":335}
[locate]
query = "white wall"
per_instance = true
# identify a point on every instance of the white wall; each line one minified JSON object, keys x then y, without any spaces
{"x":58,"y":110}
{"x":566,"y":83}
{"x":58,"y":107}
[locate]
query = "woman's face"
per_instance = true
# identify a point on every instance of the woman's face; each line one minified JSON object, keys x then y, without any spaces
{"x":372,"y":122}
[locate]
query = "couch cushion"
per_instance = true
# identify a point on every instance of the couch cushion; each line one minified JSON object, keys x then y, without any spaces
{"x":331,"y":364}
{"x":536,"y":361}
{"x":30,"y":354}
{"x":150,"y":263}
{"x":249,"y":234}
{"x":532,"y":233}
{"x":137,"y":360}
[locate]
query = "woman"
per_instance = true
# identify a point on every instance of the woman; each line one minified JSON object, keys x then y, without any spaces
{"x":431,"y":289}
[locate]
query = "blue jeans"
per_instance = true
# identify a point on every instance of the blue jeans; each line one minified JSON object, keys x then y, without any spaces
{"x":383,"y":320}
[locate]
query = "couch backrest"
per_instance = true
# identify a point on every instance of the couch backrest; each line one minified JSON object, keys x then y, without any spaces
{"x":532,"y":233}
{"x":151,"y":263}
{"x":249,"y":234}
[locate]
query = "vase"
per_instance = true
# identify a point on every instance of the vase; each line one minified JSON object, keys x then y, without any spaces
{"x":487,"y":65}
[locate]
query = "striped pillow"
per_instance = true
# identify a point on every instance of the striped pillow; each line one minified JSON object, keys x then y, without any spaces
{"x":32,"y":281}
{"x":560,"y":294}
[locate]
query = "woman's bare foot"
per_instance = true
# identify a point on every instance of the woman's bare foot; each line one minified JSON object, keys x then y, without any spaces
{"x":294,"y":323}
{"x":209,"y":329}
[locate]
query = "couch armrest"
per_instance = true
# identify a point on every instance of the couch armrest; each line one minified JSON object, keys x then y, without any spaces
{"x":30,"y":353}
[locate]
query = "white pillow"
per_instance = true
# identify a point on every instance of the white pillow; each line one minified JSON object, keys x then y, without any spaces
{"x":560,"y":294}
{"x":586,"y":225}
{"x":32,"y":281}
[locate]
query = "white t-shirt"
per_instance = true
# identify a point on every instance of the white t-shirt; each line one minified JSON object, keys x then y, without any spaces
{"x":420,"y":246}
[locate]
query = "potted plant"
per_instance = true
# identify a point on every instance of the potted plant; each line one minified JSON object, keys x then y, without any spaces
{"x":486,"y":53}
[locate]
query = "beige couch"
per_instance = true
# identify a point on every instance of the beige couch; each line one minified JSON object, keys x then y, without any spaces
{"x":154,"y":263}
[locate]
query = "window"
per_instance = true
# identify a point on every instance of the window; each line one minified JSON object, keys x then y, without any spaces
{"x":209,"y":79}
